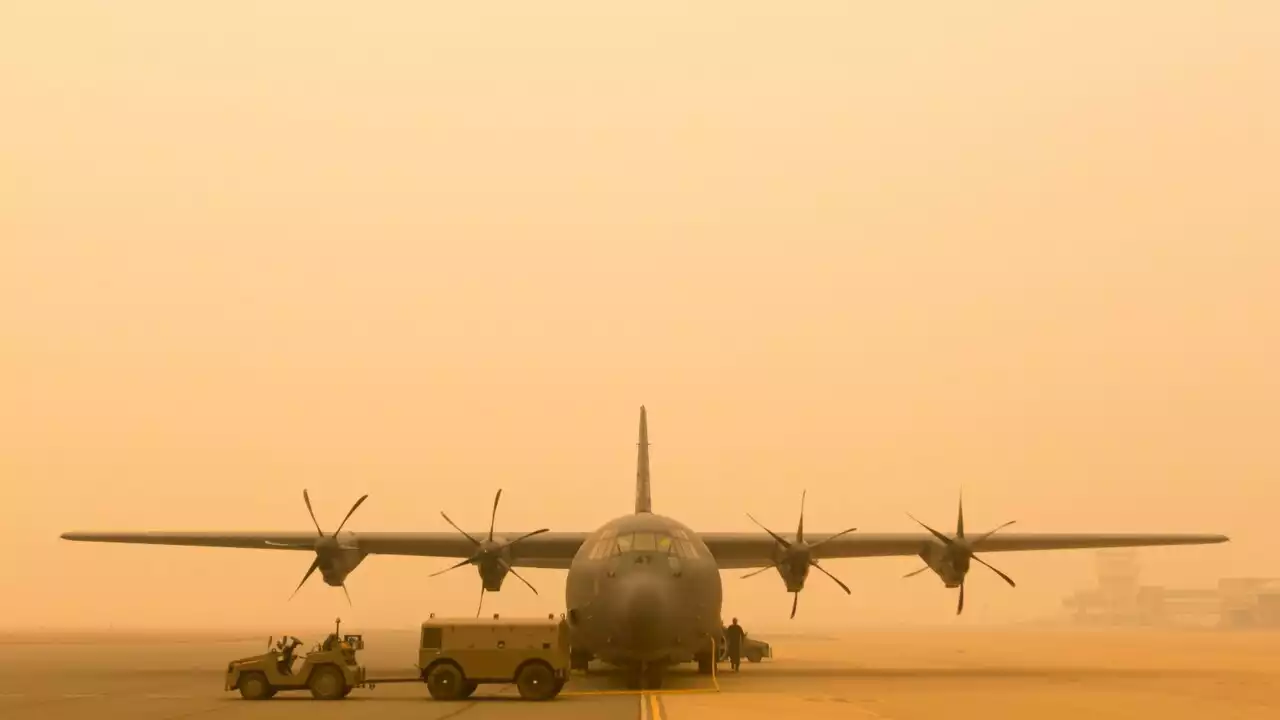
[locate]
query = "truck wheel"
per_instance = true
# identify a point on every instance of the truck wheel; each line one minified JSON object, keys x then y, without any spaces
{"x":536,"y":681}
{"x":445,"y":682}
{"x":327,"y":683}
{"x":754,"y":656}
{"x":254,"y":686}
{"x":468,"y":689}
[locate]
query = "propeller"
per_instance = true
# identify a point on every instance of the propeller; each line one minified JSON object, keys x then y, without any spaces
{"x":325,"y":544}
{"x":489,"y":550}
{"x":960,"y":550}
{"x":798,"y":554}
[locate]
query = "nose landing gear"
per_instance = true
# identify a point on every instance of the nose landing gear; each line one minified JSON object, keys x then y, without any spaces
{"x":646,"y":676}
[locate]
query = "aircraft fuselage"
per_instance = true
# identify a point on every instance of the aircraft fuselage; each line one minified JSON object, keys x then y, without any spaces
{"x":644,"y":589}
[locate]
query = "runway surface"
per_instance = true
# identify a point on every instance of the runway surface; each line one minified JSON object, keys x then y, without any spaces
{"x":881,"y":675}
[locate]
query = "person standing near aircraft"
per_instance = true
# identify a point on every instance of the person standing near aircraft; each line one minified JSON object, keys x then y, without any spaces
{"x":733,"y":643}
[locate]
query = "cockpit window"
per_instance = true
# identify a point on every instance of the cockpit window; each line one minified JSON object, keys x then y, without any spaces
{"x":659,"y":543}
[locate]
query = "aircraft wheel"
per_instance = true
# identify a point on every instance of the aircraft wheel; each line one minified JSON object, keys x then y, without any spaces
{"x":653,"y":676}
{"x":705,"y":664}
{"x":327,"y":683}
{"x":445,"y":682}
{"x":254,"y":686}
{"x":536,"y":681}
{"x":579,"y":660}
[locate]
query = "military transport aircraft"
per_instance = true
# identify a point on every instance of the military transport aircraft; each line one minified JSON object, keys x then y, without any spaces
{"x":644,"y":590}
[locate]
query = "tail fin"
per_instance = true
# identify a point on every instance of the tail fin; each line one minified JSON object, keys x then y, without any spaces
{"x":643,"y":503}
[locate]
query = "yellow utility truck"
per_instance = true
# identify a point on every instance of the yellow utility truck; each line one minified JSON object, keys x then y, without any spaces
{"x":455,"y":655}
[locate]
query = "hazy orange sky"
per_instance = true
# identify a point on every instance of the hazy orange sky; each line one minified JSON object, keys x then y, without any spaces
{"x":423,"y":252}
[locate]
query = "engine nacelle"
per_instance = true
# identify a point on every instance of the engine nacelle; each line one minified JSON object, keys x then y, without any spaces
{"x":949,"y":568}
{"x":335,"y":566}
{"x":794,"y":573}
{"x":492,"y":573}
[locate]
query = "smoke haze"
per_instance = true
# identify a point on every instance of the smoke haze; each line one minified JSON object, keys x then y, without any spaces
{"x":882,"y":253}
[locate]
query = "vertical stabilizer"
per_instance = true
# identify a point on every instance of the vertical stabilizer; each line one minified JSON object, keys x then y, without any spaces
{"x":643,"y":504}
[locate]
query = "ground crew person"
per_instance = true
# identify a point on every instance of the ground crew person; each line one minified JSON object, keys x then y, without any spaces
{"x":733,"y":641}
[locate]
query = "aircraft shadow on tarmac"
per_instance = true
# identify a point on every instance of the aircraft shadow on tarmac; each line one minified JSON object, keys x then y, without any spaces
{"x":944,"y":673}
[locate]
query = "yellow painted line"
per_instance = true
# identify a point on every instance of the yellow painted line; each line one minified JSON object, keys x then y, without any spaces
{"x":655,"y":710}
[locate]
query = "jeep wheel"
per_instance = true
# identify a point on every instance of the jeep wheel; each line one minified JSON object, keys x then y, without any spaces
{"x":536,"y":681}
{"x":445,"y":682}
{"x":468,"y":689}
{"x":327,"y":683}
{"x":254,"y":686}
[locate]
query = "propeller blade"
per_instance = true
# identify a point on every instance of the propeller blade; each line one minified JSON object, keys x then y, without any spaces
{"x":307,"y":499}
{"x":451,"y":567}
{"x":753,"y":573}
{"x":846,"y":589}
{"x":800,"y":527}
{"x":945,"y":540}
{"x":820,"y":543}
{"x":455,"y":527}
{"x":520,"y":577}
{"x":772,"y":534}
{"x":1002,"y":575}
{"x":960,"y":517}
{"x":480,"y":605}
{"x":916,"y":572}
{"x":794,"y":603}
{"x":493,"y":518}
{"x":526,"y":536}
{"x":344,"y":592}
{"x":314,"y":564}
{"x":984,"y":536}
{"x":960,"y":605}
{"x":349,"y":512}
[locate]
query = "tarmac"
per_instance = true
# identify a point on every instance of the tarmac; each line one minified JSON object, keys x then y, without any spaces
{"x":880,"y":675}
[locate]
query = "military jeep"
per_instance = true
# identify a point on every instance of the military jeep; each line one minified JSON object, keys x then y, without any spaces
{"x":456,"y":655}
{"x":329,"y":671}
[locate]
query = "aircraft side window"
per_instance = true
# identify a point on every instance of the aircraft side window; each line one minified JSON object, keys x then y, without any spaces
{"x":623,"y":543}
{"x":603,"y":547}
{"x":645,"y":542}
{"x":688,"y":549}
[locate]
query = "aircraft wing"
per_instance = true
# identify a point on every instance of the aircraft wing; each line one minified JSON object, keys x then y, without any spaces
{"x":753,"y":550}
{"x":552,"y":550}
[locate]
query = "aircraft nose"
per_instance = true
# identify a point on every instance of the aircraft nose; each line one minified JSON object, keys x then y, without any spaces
{"x":646,"y":611}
